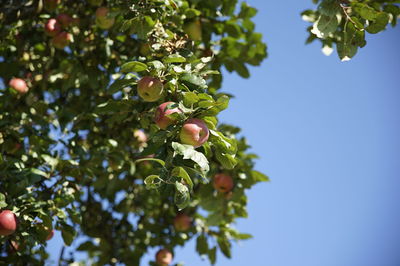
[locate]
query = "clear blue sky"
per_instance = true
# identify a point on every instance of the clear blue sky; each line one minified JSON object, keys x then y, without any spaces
{"x":328,"y":135}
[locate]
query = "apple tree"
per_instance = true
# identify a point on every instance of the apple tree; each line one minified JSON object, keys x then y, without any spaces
{"x":109,"y":128}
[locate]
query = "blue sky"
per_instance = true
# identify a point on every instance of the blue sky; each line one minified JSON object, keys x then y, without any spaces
{"x":328,"y":135}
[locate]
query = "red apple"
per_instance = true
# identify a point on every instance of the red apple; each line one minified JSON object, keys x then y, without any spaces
{"x":64,"y":19}
{"x":103,"y":20}
{"x":18,"y":85}
{"x":50,"y":235}
{"x":194,"y":132}
{"x":182,"y":222}
{"x":52,"y":27}
{"x":150,"y":89}
{"x":61,"y":40}
{"x":163,"y":257}
{"x":193,"y":30}
{"x":51,"y":5}
{"x":223,"y":182}
{"x":8,"y":223}
{"x":161,"y":117}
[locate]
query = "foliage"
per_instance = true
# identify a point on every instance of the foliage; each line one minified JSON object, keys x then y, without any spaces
{"x":345,"y":23}
{"x":71,"y":156}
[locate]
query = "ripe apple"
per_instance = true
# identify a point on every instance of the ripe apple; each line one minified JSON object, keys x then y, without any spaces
{"x":150,"y":89}
{"x":182,"y":222}
{"x":102,"y":20}
{"x":194,"y":132}
{"x":223,"y":182}
{"x":161,"y":117}
{"x":50,"y":235}
{"x":8,"y":223}
{"x":51,"y":5}
{"x":52,"y":27}
{"x":18,"y":85}
{"x":193,"y":30}
{"x":163,"y":257}
{"x":95,"y":2}
{"x":64,"y":19}
{"x":61,"y":40}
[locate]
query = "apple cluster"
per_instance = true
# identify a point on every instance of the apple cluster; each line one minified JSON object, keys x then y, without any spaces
{"x":194,"y":131}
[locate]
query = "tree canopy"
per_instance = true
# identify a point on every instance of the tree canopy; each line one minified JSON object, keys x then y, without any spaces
{"x":109,"y":128}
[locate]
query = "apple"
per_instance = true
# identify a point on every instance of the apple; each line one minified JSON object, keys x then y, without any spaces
{"x":182,"y":222}
{"x":51,"y":5}
{"x":163,"y":257}
{"x":61,"y":40}
{"x":102,"y":20}
{"x":223,"y":182}
{"x":95,"y":2}
{"x":52,"y":27}
{"x":50,"y":235}
{"x":193,"y":30}
{"x":64,"y":19}
{"x":194,"y":132}
{"x":8,"y":223}
{"x":161,"y":117}
{"x":150,"y":89}
{"x":18,"y":85}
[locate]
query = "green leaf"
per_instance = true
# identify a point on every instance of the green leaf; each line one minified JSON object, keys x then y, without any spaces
{"x":68,"y":234}
{"x":201,"y":244}
{"x":174,"y":58}
{"x":181,"y":172}
{"x":133,"y":66}
{"x":365,"y":11}
{"x":224,"y":246}
{"x":3,"y":202}
{"x":227,"y":160}
{"x":151,"y":159}
{"x":193,"y":81}
{"x":379,"y":24}
{"x":182,"y":196}
{"x":190,"y":98}
{"x":120,"y":84}
{"x":258,"y":176}
{"x":153,"y":181}
{"x":212,"y":255}
{"x":325,"y":25}
{"x":189,"y":152}
{"x":329,"y":8}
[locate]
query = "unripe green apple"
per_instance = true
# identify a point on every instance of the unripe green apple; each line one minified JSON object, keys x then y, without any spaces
{"x":52,"y":27}
{"x":194,"y":132}
{"x":18,"y":85}
{"x":161,"y":117}
{"x":163,"y":257}
{"x":102,"y":20}
{"x":8,"y":223}
{"x":61,"y":40}
{"x":223,"y":182}
{"x":95,"y":2}
{"x":51,"y":5}
{"x":150,"y":89}
{"x":193,"y":30}
{"x":182,"y":222}
{"x":64,"y":19}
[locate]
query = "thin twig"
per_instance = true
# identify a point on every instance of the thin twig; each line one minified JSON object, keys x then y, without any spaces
{"x":60,"y":259}
{"x":348,"y":17}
